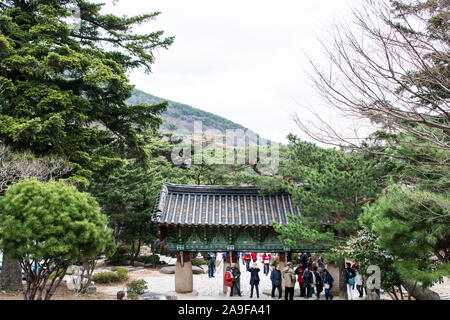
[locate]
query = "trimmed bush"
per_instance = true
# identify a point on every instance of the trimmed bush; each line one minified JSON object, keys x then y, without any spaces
{"x":105,"y":277}
{"x":114,"y":276}
{"x":136,"y":288}
{"x":121,"y":256}
{"x":198,"y":262}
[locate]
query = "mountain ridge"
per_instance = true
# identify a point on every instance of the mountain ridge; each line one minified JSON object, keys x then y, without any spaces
{"x":180,"y":117}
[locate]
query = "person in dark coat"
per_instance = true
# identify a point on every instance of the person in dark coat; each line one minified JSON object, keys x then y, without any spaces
{"x":276,"y":278}
{"x":328,"y":284}
{"x":319,"y":282}
{"x":308,"y":281}
{"x":254,"y":280}
{"x":236,"y":276}
{"x":304,"y":259}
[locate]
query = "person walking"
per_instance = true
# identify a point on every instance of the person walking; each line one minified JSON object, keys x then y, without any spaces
{"x":254,"y":256}
{"x":248,"y":259}
{"x":236,"y":276}
{"x":308,"y":281}
{"x":254,"y":280}
{"x":319,"y":282}
{"x":299,"y":272}
{"x":275,"y":277}
{"x":266,"y":258}
{"x":228,"y":279}
{"x":359,"y":283}
{"x":328,"y":284}
{"x":289,"y":280}
{"x":211,"y":265}
{"x":350,"y":280}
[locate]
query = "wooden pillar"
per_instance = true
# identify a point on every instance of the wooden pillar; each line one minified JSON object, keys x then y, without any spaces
{"x":226,"y":263}
{"x":282,"y":261}
{"x":235,"y":261}
{"x":184,"y":281}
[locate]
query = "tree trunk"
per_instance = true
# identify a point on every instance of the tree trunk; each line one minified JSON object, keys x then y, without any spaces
{"x":342,"y":282}
{"x":419,"y":293}
{"x":11,"y":275}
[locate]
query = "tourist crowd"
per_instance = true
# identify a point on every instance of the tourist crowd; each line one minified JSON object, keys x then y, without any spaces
{"x":312,"y":277}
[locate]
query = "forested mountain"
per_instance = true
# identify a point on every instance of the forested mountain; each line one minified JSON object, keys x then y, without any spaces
{"x":180,"y":117}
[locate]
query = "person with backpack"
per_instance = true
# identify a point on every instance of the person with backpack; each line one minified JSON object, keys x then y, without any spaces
{"x":350,"y":280}
{"x":328,"y":284}
{"x":254,"y":280}
{"x":275,"y":277}
{"x":236,"y":276}
{"x":299,"y":272}
{"x":308,"y":281}
{"x":228,"y":279}
{"x":266,"y":258}
{"x":289,"y":280}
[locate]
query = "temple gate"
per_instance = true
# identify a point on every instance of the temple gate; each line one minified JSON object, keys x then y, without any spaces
{"x":221,"y":219}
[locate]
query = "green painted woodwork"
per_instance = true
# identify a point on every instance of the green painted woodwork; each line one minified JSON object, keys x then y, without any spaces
{"x":216,"y":238}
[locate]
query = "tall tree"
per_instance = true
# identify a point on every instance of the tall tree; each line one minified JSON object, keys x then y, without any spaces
{"x":63,"y":88}
{"x":412,"y":225}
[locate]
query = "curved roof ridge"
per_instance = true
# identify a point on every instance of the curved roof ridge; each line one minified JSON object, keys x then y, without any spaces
{"x":213,"y":188}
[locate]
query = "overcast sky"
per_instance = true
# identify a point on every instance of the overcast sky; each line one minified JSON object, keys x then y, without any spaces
{"x":240,"y":59}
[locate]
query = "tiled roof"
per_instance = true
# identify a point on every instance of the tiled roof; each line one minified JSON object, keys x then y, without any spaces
{"x":221,"y":205}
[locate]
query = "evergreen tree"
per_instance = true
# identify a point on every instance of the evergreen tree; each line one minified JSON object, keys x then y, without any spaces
{"x":63,"y":88}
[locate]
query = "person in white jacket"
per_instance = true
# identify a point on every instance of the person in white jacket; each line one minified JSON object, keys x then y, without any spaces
{"x":359,"y":284}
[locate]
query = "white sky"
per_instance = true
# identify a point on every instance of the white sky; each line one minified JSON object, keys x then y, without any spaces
{"x":240,"y":59}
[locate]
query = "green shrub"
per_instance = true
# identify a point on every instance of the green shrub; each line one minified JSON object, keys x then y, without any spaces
{"x":136,"y":288}
{"x":121,"y":256}
{"x":153,"y":259}
{"x":198,"y":262}
{"x":121,"y":272}
{"x":115,"y":275}
{"x":105,"y":277}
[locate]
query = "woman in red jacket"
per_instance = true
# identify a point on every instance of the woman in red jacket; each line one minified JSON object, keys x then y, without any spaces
{"x":228,"y":279}
{"x":299,"y":271}
{"x":266,"y":261}
{"x":248,"y":259}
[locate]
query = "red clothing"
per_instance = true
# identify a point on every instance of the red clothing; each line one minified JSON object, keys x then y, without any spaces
{"x":247,"y":257}
{"x":254,"y":256}
{"x":228,"y":280}
{"x":300,"y":274}
{"x":266,"y":257}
